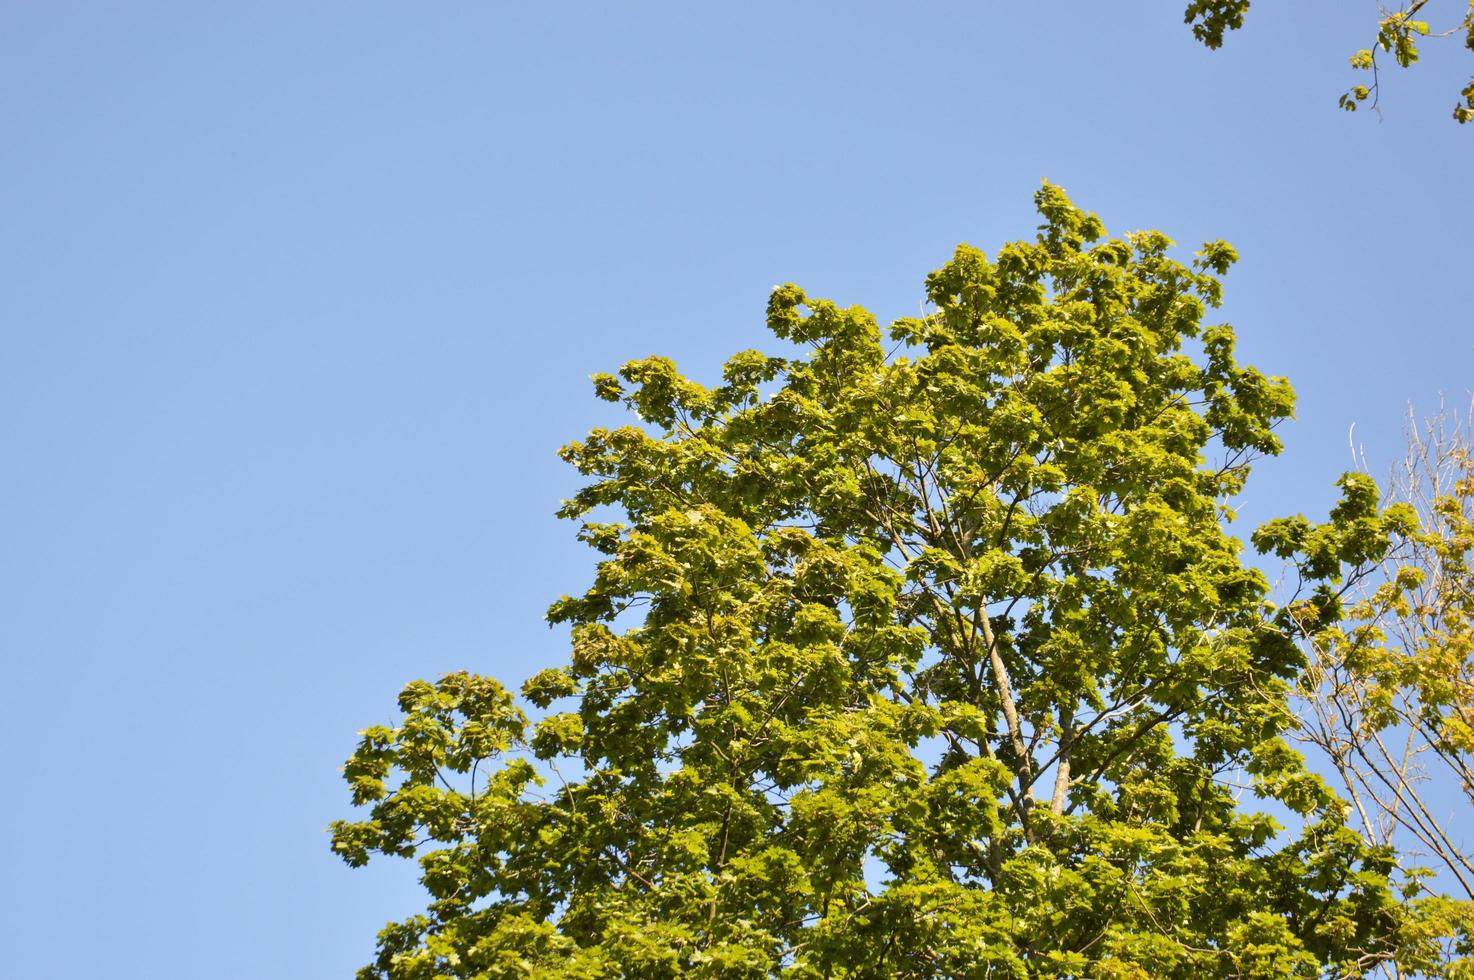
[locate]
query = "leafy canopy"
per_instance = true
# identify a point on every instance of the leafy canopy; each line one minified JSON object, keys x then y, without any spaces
{"x":935,"y":661}
{"x":1385,"y":613}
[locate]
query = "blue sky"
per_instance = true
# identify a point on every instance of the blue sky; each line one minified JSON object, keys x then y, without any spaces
{"x":300,"y":299}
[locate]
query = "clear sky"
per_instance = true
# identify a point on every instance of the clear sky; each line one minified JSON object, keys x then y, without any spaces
{"x":298,"y":300}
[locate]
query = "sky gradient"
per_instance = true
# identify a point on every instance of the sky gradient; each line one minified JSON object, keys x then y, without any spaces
{"x":299,"y":300}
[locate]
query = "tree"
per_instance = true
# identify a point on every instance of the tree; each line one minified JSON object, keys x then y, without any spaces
{"x":931,"y":662}
{"x":1385,"y":615}
{"x":1399,"y":34}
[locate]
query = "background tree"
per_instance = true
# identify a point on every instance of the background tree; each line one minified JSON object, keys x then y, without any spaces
{"x":1386,"y":617}
{"x":1399,"y":34}
{"x":928,"y":659}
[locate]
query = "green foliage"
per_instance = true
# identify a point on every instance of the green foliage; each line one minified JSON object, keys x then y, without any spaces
{"x":1211,"y":19}
{"x":1399,"y":34}
{"x":930,"y":663}
{"x":1386,"y":614}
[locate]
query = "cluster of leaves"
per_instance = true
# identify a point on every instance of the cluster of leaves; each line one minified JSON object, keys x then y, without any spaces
{"x":929,"y":662}
{"x":1211,"y":19}
{"x":1387,"y":698}
{"x":1399,"y":34}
